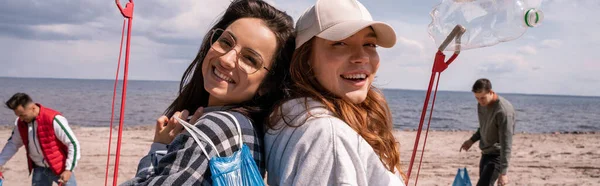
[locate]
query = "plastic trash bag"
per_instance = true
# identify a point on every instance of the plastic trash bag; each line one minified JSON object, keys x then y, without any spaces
{"x":238,"y":169}
{"x":462,"y":178}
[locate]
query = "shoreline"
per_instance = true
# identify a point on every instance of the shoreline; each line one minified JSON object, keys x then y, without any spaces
{"x":537,"y":159}
{"x":151,"y":127}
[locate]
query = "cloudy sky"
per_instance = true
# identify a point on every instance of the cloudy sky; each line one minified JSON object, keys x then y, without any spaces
{"x":80,"y":39}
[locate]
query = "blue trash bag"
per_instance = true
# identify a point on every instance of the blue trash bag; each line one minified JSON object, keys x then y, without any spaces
{"x":238,"y":169}
{"x":462,"y":178}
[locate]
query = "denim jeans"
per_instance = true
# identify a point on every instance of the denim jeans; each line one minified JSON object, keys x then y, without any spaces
{"x":44,"y":177}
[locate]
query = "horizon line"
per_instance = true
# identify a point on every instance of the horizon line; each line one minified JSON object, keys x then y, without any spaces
{"x":406,"y":89}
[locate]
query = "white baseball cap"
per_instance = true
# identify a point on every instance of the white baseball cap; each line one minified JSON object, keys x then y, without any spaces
{"x":336,"y":20}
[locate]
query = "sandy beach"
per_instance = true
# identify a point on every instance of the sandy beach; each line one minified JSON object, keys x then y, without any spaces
{"x":538,"y":159}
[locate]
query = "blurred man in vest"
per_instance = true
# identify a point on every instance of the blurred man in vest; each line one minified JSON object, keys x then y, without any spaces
{"x":52,"y":148}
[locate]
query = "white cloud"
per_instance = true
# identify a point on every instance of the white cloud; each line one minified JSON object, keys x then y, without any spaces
{"x":56,"y":28}
{"x":409,"y":43}
{"x":293,"y":8}
{"x":191,"y":21}
{"x":501,"y":64}
{"x":527,"y":50}
{"x":551,"y":43}
{"x":558,"y":57}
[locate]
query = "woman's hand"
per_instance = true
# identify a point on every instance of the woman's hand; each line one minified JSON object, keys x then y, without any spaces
{"x":167,"y":129}
{"x":196,"y":115}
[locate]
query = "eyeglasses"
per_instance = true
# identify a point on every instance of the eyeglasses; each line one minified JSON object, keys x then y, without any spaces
{"x":247,"y":60}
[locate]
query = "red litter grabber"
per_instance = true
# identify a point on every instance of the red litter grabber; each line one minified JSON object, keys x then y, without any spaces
{"x":439,"y":65}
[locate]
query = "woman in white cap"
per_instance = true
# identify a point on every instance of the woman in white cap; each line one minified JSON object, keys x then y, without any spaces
{"x":336,"y":128}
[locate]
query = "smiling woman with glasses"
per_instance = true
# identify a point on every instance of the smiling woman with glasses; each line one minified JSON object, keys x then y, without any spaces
{"x":225,"y":79}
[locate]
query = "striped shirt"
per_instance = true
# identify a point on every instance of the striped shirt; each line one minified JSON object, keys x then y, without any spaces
{"x":185,"y":164}
{"x":62,"y":131}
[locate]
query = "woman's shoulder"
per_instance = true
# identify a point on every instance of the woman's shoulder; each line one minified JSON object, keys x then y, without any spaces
{"x":221,"y":127}
{"x":224,"y":125}
{"x":300,"y":109}
{"x":224,"y":119}
{"x":307,"y":114}
{"x":318,"y":123}
{"x":334,"y":128}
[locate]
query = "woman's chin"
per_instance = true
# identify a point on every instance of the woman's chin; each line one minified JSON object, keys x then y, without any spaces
{"x":355,"y":97}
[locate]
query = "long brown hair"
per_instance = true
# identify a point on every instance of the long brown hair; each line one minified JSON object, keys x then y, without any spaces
{"x":371,"y":119}
{"x":191,"y":88}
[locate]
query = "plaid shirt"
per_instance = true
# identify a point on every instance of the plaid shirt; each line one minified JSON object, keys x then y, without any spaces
{"x":185,"y":164}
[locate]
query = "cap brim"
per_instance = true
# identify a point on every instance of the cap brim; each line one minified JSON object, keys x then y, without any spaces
{"x":386,"y":36}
